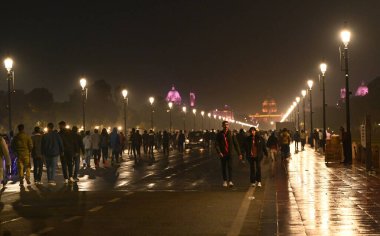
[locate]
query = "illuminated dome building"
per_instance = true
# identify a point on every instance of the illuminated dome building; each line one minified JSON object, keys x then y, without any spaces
{"x":362,"y":90}
{"x":268,"y":115}
{"x":269,"y":106}
{"x":174,"y":97}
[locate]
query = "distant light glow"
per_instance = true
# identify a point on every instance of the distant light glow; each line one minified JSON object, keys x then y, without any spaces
{"x":151,"y":100}
{"x":83,"y":83}
{"x":310,"y":84}
{"x":124,"y":93}
{"x":8,"y":63}
{"x":184,"y":109}
{"x":303,"y":93}
{"x":323,"y":68}
{"x":174,"y":96}
{"x":345,"y":36}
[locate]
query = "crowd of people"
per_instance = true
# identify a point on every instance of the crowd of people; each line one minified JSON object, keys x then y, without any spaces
{"x":105,"y":149}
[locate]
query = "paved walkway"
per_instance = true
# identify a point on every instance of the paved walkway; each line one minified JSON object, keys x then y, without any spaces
{"x":312,"y":199}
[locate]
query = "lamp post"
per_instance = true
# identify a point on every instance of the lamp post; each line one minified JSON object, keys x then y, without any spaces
{"x":215,"y":121}
{"x":203,"y":115}
{"x":83,"y":83}
{"x":184,"y":109}
{"x":294,"y":114}
{"x":346,"y":35}
{"x":298,"y":112}
{"x":195,"y":113}
{"x":310,"y":84}
{"x":8,"y":63}
{"x":209,"y":120}
{"x":303,"y":93}
{"x":125,"y":94}
{"x":323,"y":68}
{"x":170,"y":104}
{"x":151,"y":101}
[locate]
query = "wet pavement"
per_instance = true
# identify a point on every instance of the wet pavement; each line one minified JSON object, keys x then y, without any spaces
{"x":182,"y":195}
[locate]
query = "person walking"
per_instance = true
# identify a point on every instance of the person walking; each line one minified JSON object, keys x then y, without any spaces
{"x":79,"y":148}
{"x":181,"y":141}
{"x":104,"y":145}
{"x":285,"y":142}
{"x":346,"y":146}
{"x":297,"y":139}
{"x":51,"y":149}
{"x":255,"y":150}
{"x":69,"y":145}
{"x":151,"y":146}
{"x":115,"y":145}
{"x":241,"y":138}
{"x":37,"y":155}
{"x":165,"y":143}
{"x":273,"y":146}
{"x":4,"y":156}
{"x":22,"y":145}
{"x":87,"y":143}
{"x":303,"y":139}
{"x":145,"y":138}
{"x":225,"y":143}
{"x":95,"y":144}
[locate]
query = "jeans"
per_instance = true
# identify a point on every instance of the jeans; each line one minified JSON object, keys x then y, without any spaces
{"x":96,"y":154}
{"x":105,"y":153}
{"x":37,"y":170}
{"x":88,"y":154}
{"x":51,"y":163}
{"x":254,"y":169}
{"x":226,"y":163}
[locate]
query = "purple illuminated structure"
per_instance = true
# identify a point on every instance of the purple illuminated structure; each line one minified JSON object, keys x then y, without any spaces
{"x":342,"y":93}
{"x":192,"y":99}
{"x":362,"y":90}
{"x":174,"y":97}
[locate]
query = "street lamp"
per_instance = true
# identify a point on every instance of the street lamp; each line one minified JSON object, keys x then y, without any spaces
{"x":184,"y":109}
{"x":170,"y":104}
{"x":303,"y":93}
{"x":346,"y":35}
{"x":203,"y":115}
{"x":83,"y":83}
{"x":125,"y":94}
{"x":8,"y":63}
{"x":310,"y":84}
{"x":195,"y":113}
{"x":298,"y":99}
{"x":151,"y":101}
{"x":294,"y":113}
{"x":323,"y":68}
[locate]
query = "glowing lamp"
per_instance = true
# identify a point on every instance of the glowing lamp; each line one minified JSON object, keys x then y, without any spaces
{"x":124,"y":93}
{"x":194,"y":111}
{"x":209,"y":115}
{"x":303,"y":92}
{"x":151,"y":100}
{"x":8,"y":63}
{"x":323,"y":68}
{"x":298,"y":99}
{"x":345,"y":35}
{"x":83,"y":83}
{"x":170,"y":104}
{"x":184,"y":109}
{"x":202,"y":113}
{"x":310,"y":84}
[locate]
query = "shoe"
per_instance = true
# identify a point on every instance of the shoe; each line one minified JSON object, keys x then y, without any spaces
{"x":28,"y":181}
{"x":231,"y":184}
{"x":71,"y":179}
{"x":76,"y":179}
{"x":21,"y":182}
{"x":225,"y":184}
{"x":52,"y":183}
{"x":66,"y":181}
{"x":253,"y":184}
{"x":258,"y":184}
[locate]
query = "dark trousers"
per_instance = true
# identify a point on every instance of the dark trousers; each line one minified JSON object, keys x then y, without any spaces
{"x":76,"y":165}
{"x":145,"y":149}
{"x":136,"y":151}
{"x":105,"y":153}
{"x":180,"y":147}
{"x":67,"y":165}
{"x":226,"y":163}
{"x":303,"y":141}
{"x":37,"y":168}
{"x":166,"y":148}
{"x":254,"y":169}
{"x":96,"y":155}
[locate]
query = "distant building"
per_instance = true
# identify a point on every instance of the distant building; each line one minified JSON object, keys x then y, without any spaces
{"x":174,"y":96}
{"x":269,"y":114}
{"x":225,"y":113}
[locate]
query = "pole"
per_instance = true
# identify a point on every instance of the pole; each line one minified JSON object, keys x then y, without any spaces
{"x":304,"y":114}
{"x":83,"y":108}
{"x":348,"y":120}
{"x":151,"y":117}
{"x":194,"y":122}
{"x":202,"y":122}
{"x":9,"y":101}
{"x":170,"y":120}
{"x":324,"y":113}
{"x":184,"y":122}
{"x":298,"y":116}
{"x":311,"y":120}
{"x":125,"y":116}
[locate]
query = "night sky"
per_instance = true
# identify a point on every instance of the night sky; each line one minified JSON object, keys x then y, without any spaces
{"x":227,"y":52}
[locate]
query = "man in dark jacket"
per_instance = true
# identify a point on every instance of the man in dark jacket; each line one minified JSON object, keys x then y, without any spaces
{"x":37,"y":155}
{"x":165,"y":143}
{"x":255,"y":149}
{"x":181,"y":141}
{"x":51,"y":149}
{"x":225,"y":142}
{"x":145,"y":138}
{"x":70,"y":145}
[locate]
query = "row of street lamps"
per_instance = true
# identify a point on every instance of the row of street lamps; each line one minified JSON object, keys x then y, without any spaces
{"x":345,"y":37}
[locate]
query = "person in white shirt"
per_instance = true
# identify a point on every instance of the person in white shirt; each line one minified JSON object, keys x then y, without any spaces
{"x":87,"y":143}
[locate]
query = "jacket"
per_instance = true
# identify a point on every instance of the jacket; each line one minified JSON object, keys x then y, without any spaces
{"x":51,"y":144}
{"x":231,"y":140}
{"x":22,"y":144}
{"x":87,"y":142}
{"x":95,"y":141}
{"x":260,"y":146}
{"x":36,"y":140}
{"x":69,"y":142}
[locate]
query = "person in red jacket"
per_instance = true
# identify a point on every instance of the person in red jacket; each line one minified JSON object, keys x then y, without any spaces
{"x":225,"y":142}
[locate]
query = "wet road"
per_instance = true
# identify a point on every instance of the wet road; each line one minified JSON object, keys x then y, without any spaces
{"x":182,"y":195}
